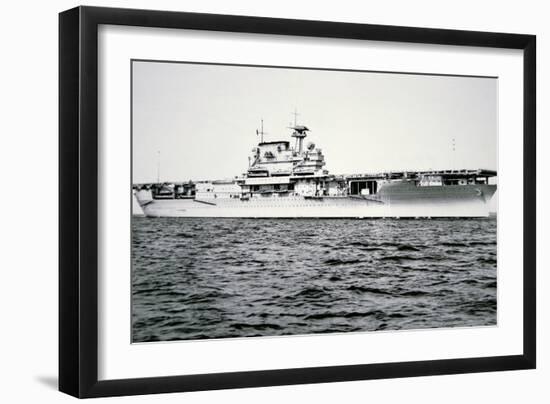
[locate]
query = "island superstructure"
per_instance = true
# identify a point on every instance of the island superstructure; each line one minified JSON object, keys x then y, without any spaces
{"x":288,"y":179}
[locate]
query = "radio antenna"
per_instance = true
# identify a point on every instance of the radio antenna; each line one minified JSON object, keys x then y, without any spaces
{"x":454,"y":154}
{"x":261,"y":131}
{"x":295,"y":113}
{"x":158,"y":167}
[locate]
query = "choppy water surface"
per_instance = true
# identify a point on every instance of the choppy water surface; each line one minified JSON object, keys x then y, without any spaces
{"x":220,"y":278}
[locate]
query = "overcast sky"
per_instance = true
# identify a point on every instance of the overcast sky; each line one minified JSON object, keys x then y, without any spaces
{"x":203,"y":119}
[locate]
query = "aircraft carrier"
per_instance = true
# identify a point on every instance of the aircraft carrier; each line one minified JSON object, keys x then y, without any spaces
{"x":287,"y":179}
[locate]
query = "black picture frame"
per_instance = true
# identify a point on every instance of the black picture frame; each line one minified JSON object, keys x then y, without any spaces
{"x":78,"y":201}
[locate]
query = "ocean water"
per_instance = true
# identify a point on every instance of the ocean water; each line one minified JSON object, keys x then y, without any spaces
{"x":222,"y":278}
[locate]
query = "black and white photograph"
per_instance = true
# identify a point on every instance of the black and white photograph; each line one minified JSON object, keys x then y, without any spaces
{"x":275,"y":202}
{"x":271,"y":201}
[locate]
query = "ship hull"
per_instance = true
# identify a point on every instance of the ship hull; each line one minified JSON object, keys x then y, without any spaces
{"x":400,"y":200}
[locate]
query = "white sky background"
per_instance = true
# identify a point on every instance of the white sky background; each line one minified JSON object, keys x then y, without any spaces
{"x":203,"y":118}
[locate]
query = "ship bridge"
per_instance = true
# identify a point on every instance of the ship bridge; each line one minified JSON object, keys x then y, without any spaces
{"x":276,"y":167}
{"x":279,"y":159}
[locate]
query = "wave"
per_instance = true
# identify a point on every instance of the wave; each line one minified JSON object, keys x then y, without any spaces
{"x":185,"y":235}
{"x":259,"y":327}
{"x":336,"y":261}
{"x":452,"y":244}
{"x":397,"y":315}
{"x":359,"y":244}
{"x":486,"y":260}
{"x":401,"y":258}
{"x":366,"y":289}
{"x":482,"y":243}
{"x":414,"y":293}
{"x":469,"y":281}
{"x":311,"y":292}
{"x":342,"y":314}
{"x":406,"y":247}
